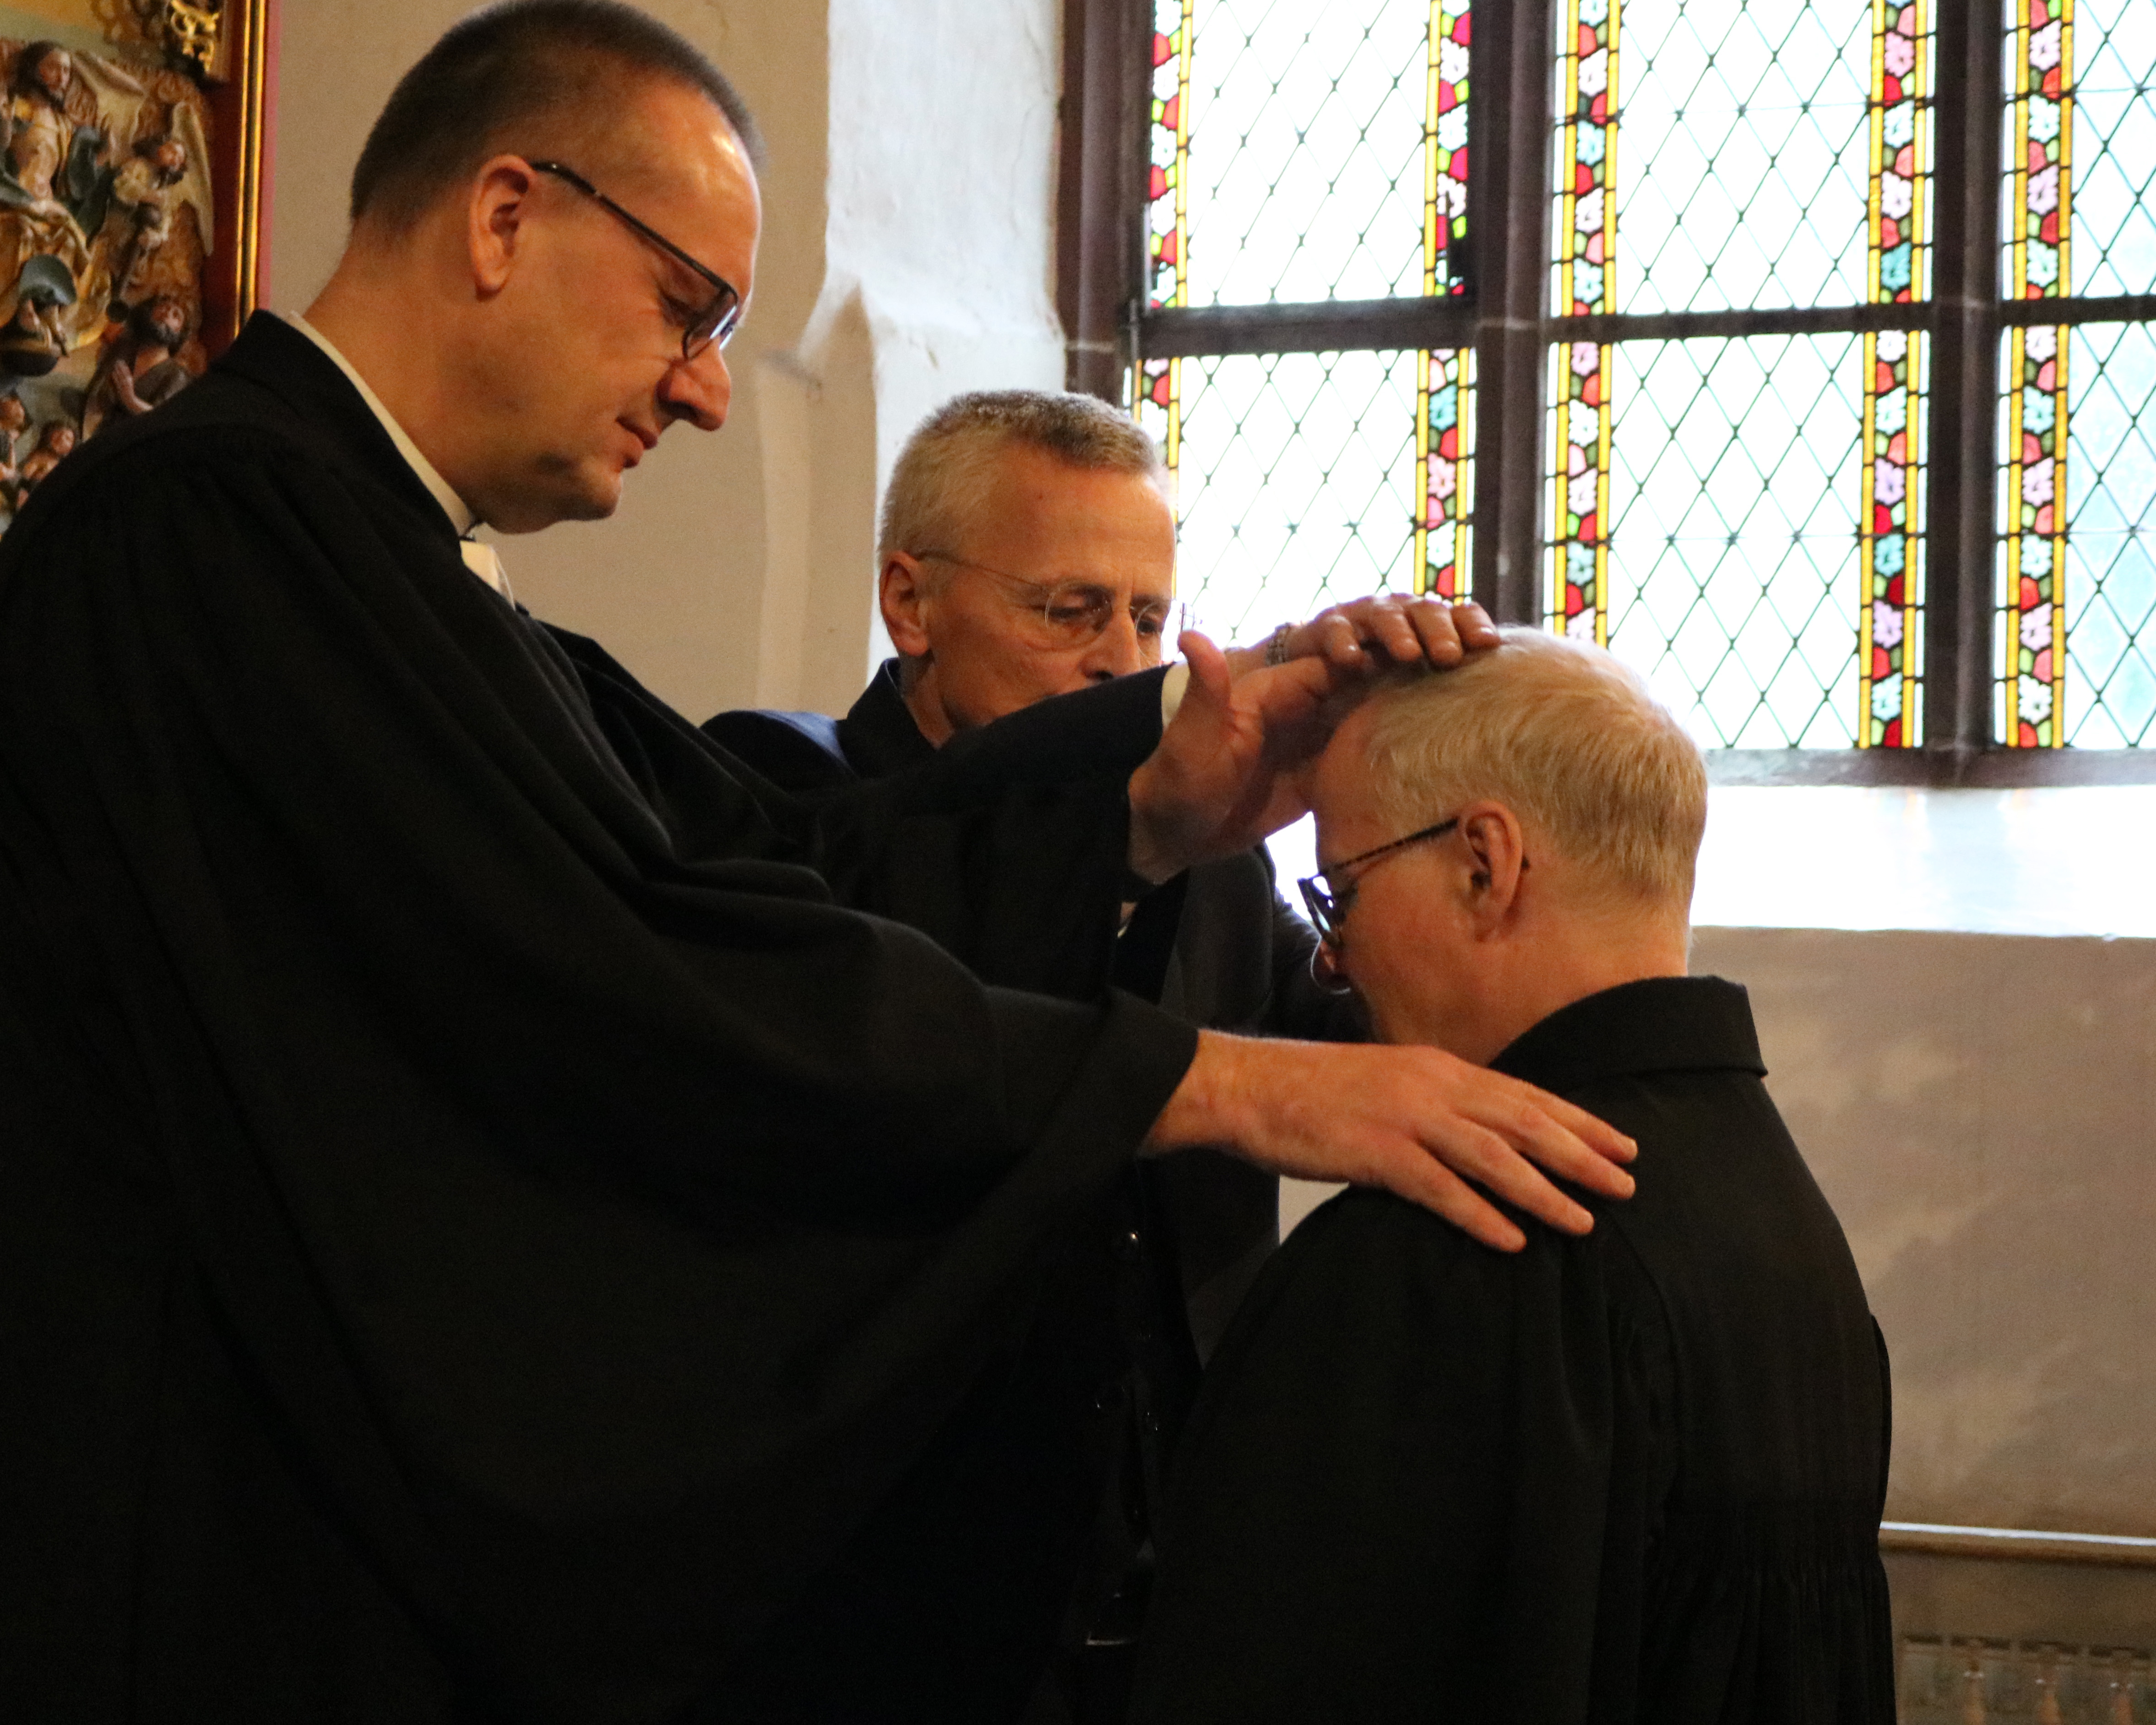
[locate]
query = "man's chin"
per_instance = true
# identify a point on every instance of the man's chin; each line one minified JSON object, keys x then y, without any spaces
{"x":562,"y":491}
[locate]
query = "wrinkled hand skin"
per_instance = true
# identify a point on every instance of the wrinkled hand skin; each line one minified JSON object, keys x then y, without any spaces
{"x":1419,"y":1122}
{"x":1383,"y":630}
{"x":1226,"y":771}
{"x":1225,"y":774}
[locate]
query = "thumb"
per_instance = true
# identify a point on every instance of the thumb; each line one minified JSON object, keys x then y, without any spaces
{"x":1209,"y":681}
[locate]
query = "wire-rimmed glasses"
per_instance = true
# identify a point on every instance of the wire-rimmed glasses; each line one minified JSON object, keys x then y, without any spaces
{"x":1328,"y":904}
{"x":1073,"y":613}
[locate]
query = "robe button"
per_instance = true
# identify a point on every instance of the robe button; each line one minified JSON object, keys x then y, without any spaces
{"x":1131,"y":1243}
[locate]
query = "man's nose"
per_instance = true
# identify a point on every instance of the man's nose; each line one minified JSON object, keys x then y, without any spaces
{"x":1117,"y":650}
{"x":699,"y":390}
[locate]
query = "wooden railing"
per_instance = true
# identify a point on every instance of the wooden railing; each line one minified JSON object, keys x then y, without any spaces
{"x":1982,"y":1682}
{"x":1951,"y":1679}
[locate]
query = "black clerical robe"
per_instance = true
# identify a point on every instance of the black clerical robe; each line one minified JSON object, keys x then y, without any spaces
{"x":1632,"y":1477}
{"x":1218,"y":948}
{"x":481,"y":1223}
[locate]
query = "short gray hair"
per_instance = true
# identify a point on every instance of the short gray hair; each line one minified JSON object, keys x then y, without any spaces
{"x":1564,"y":735}
{"x":950,"y":461}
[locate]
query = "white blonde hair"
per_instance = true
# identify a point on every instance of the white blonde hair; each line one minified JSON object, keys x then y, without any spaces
{"x":951,"y":461}
{"x":1563,"y":735}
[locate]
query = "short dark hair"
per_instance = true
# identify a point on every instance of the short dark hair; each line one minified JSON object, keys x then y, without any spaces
{"x":507,"y":64}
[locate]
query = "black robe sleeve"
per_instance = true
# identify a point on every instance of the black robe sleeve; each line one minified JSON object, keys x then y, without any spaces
{"x":586,"y":1218}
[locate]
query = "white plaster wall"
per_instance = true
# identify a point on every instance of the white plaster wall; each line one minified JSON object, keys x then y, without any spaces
{"x":1978,"y":1109}
{"x":906,"y":256}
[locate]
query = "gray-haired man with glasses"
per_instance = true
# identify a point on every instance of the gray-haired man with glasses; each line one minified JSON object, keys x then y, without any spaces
{"x":1631,"y":1476}
{"x":1027,"y":550}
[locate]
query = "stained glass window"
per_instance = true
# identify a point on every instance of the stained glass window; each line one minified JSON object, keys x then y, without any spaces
{"x":1305,"y":149}
{"x":2111,"y":533}
{"x":2034,"y":373}
{"x":2075,"y":481}
{"x":1586,"y":230}
{"x":1445,"y":431}
{"x":1890,"y":530}
{"x":1734,"y":465}
{"x":1297,"y":486}
{"x":1774,"y":157}
{"x":1315,"y":159}
{"x":1745,"y":148}
{"x":1730,"y":436}
{"x":2108,"y":79}
{"x":1168,"y":219}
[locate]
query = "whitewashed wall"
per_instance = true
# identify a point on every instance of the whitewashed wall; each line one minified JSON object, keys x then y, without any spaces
{"x":907,"y":255}
{"x":1978,"y":1109}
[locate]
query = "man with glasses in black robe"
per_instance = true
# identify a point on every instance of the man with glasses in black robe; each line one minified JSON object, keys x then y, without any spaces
{"x":1631,"y":1476}
{"x":1027,"y":550}
{"x":486,"y":1219}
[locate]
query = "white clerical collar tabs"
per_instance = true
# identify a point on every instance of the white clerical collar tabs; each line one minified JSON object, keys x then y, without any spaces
{"x":484,"y":561}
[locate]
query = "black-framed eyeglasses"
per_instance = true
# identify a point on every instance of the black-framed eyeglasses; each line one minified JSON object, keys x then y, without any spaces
{"x":716,"y":321}
{"x":1073,"y":613}
{"x":1328,"y":904}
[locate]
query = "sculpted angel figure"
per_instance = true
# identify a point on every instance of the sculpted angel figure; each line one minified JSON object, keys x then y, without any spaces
{"x":146,"y":189}
{"x":14,"y":421}
{"x":54,"y":445}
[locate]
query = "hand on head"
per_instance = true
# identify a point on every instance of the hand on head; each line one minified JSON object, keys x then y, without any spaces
{"x":1231,"y":765}
{"x":1377,"y":632}
{"x":1501,"y":842}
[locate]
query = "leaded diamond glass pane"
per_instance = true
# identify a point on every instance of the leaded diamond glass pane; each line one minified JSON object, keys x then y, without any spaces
{"x":1306,"y":150}
{"x":1743,"y":154}
{"x":2114,"y":147}
{"x":1733,"y":567}
{"x":2111,"y":537}
{"x":1296,"y":486}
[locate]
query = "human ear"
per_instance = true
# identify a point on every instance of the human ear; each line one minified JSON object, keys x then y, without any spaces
{"x":501,"y":201}
{"x":1497,"y":857}
{"x":901,"y":592}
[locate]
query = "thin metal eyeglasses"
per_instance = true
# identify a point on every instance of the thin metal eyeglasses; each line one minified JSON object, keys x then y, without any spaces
{"x":1076,"y":614}
{"x":1329,"y":905}
{"x":716,"y":321}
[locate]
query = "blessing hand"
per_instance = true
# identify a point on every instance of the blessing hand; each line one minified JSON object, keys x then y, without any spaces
{"x":1371,"y":633}
{"x":1418,"y":1121}
{"x":1224,"y":774}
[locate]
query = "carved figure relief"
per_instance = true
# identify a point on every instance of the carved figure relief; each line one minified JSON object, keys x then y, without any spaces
{"x":106,"y":217}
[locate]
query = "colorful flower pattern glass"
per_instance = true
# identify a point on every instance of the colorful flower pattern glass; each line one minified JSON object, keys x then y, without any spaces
{"x":1445,"y":391}
{"x":1586,"y":285}
{"x":2039,"y":124}
{"x":1444,"y":378}
{"x":1157,"y":388}
{"x":1890,"y":535}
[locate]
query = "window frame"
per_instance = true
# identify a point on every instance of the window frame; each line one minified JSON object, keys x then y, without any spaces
{"x":1504,"y":317}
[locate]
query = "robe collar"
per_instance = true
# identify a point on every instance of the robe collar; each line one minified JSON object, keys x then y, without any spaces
{"x":1672,"y":1024}
{"x":879,"y":735}
{"x":460,"y":514}
{"x":294,"y":361}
